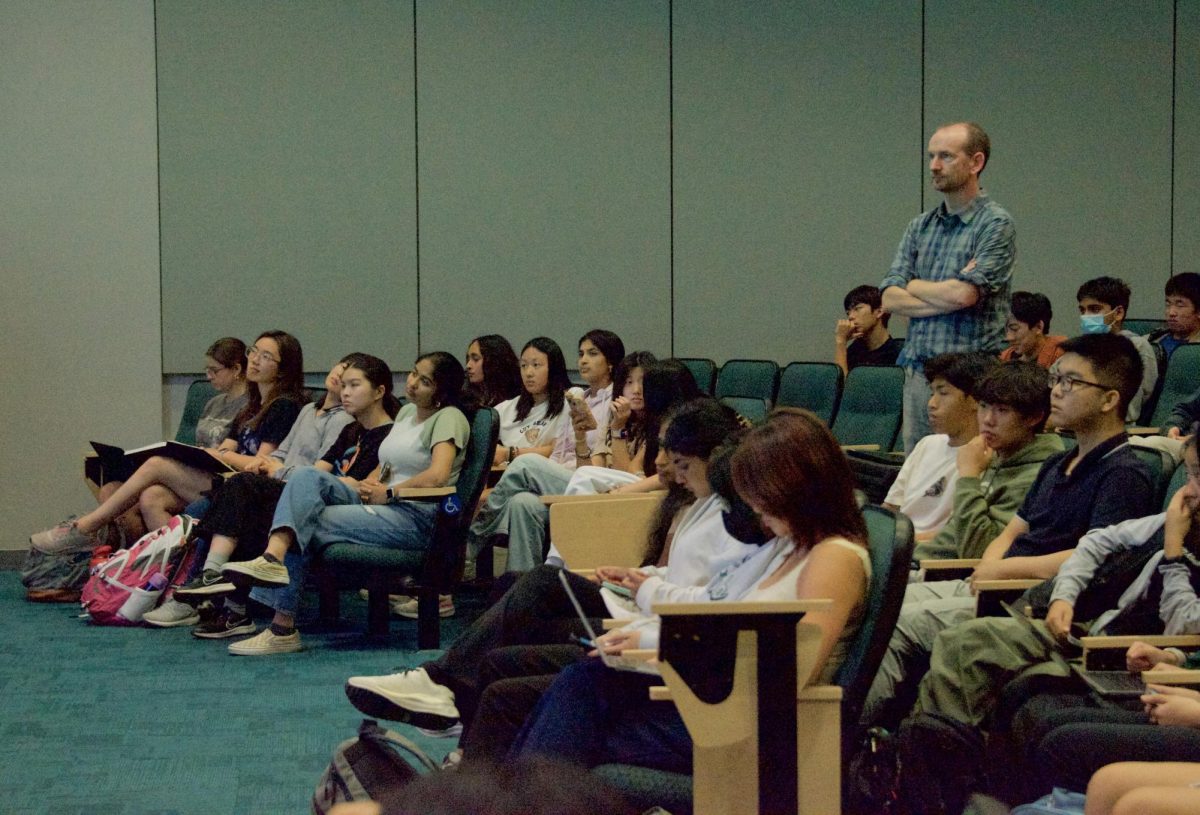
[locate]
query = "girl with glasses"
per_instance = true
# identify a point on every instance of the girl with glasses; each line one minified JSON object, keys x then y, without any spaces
{"x":162,"y":487}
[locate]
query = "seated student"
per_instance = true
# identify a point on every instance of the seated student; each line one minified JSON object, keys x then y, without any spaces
{"x":493,"y":371}
{"x":862,"y":338}
{"x":1183,"y":316}
{"x":924,"y":489}
{"x":1027,"y":330}
{"x":995,"y":471}
{"x":1103,"y":305}
{"x":225,"y":369}
{"x":997,"y":467}
{"x":535,"y":610}
{"x":792,"y":472}
{"x":1099,"y":482}
{"x":514,"y":507}
{"x":529,"y":423}
{"x":424,"y":448}
{"x":342,"y":439}
{"x":632,"y":438}
{"x":1184,"y":416}
{"x":161,"y":487}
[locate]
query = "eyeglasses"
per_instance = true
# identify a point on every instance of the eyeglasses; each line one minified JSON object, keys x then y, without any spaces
{"x":213,"y":370}
{"x":266,"y":356}
{"x":1068,"y":382}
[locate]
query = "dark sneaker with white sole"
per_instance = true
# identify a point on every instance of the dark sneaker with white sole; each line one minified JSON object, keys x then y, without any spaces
{"x":225,"y":625}
{"x":208,"y":583}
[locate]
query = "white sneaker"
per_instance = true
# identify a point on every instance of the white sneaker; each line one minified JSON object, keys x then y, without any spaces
{"x":409,"y":696}
{"x":408,"y":608}
{"x":266,"y":642}
{"x":171,"y":614}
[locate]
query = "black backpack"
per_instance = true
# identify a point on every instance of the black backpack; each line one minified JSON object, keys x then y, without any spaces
{"x":363,"y":768}
{"x":941,"y":763}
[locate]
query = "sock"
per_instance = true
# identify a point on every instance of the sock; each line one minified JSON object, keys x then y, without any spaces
{"x":270,"y":558}
{"x":282,"y":631}
{"x":214,"y":562}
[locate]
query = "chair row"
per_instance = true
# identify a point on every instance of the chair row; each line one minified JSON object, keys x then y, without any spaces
{"x":863,"y":408}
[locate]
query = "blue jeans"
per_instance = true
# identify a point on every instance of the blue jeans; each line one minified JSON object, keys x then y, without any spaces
{"x":594,"y":715}
{"x":321,"y":510}
{"x":916,"y":408}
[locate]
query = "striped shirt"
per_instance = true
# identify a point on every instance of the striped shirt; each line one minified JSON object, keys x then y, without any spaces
{"x":935,"y":247}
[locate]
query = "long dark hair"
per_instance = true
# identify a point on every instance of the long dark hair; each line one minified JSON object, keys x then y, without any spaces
{"x":289,"y":380}
{"x":501,"y":371}
{"x":636,"y":427}
{"x":376,"y":372}
{"x":665,"y":383}
{"x":447,"y":379}
{"x":557,"y":382}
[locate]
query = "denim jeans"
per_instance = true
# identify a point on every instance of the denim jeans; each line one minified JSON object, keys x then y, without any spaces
{"x":321,"y":510}
{"x":515,"y":508}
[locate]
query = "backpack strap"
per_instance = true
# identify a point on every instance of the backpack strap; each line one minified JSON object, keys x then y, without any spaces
{"x":370,"y":730}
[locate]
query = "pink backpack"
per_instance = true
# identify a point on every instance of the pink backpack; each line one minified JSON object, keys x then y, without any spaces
{"x":131,"y":582}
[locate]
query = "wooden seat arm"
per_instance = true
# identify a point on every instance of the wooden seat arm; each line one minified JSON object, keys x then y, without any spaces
{"x":549,"y":500}
{"x":723,"y":609}
{"x":934,"y":564}
{"x":1157,"y":640}
{"x":814,"y":693}
{"x":1142,"y":431}
{"x":862,"y":448}
{"x":609,"y":624}
{"x":417,"y":493}
{"x":585,"y":573}
{"x":1012,"y":584}
{"x":1174,"y":676}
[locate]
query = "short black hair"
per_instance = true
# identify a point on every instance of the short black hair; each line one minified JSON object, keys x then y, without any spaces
{"x":1116,"y":360}
{"x":870,"y":295}
{"x":1030,"y":308}
{"x":1186,"y":285}
{"x":1112,"y":291}
{"x":1018,"y":385}
{"x":963,"y":371}
{"x":867,"y":295}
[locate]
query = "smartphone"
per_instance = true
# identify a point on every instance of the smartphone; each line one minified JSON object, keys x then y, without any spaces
{"x":616,"y":588}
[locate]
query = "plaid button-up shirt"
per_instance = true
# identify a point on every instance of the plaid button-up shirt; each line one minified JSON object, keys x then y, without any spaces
{"x":935,"y":247}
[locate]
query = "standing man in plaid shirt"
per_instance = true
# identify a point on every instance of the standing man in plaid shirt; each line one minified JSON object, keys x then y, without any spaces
{"x":953,"y":270}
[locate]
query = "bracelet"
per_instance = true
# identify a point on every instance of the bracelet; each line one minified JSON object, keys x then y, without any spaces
{"x":619,"y":435}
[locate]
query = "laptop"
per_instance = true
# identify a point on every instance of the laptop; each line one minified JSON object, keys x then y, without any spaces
{"x":1115,"y":684}
{"x":614,"y":661}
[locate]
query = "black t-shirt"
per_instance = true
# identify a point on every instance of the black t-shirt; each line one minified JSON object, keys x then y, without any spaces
{"x":355,"y":453}
{"x":273,"y":428}
{"x":1109,"y":485}
{"x":857,"y":353}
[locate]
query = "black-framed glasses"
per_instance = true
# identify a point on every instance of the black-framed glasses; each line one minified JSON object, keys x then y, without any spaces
{"x":1069,"y":382}
{"x":213,"y":370}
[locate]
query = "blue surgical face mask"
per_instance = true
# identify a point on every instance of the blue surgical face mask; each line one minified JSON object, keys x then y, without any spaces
{"x":1093,"y":323}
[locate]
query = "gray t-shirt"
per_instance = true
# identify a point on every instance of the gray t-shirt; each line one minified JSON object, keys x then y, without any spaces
{"x":310,"y":438}
{"x":218,"y":414}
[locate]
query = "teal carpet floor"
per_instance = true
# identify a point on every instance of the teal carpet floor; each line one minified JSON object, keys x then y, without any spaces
{"x":140,"y":721}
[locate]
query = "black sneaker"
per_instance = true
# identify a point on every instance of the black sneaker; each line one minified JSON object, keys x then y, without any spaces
{"x":225,"y":625}
{"x":206,"y":584}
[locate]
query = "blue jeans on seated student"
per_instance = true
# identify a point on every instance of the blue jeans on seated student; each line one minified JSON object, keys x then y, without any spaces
{"x":322,"y":510}
{"x":514,"y":508}
{"x":595,"y":715}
